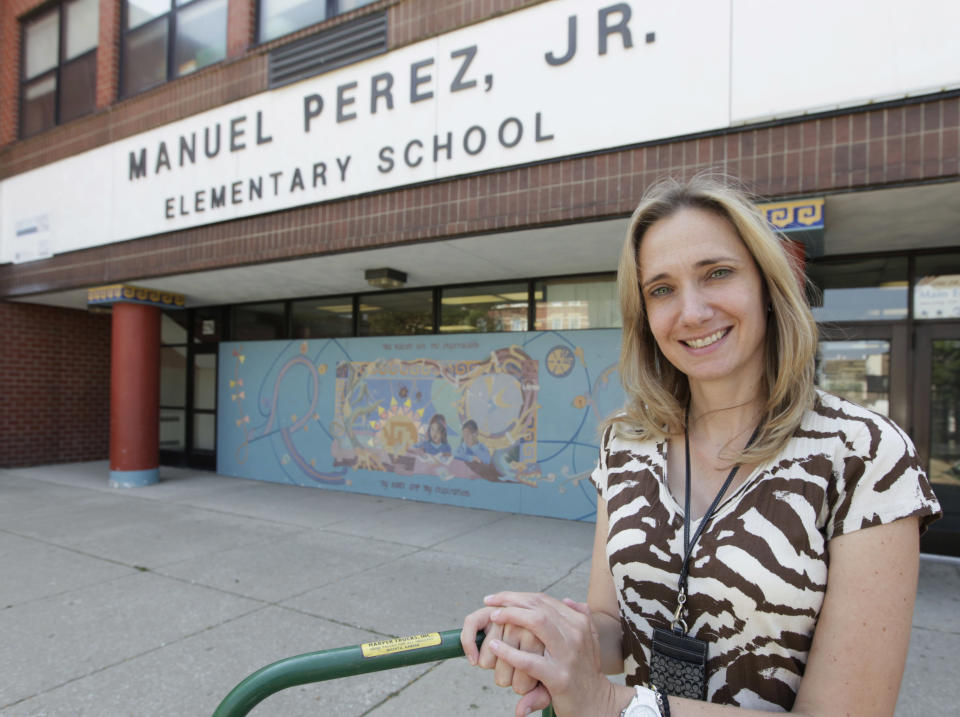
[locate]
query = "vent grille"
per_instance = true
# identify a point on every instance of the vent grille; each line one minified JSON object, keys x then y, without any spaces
{"x":336,"y":47}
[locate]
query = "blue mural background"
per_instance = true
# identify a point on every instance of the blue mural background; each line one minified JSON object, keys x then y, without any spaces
{"x":354,"y":415}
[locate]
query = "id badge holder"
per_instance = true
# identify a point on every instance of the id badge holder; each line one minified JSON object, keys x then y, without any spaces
{"x":678,"y":664}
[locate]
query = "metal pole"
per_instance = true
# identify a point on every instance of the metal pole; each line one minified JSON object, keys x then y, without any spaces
{"x":342,"y":662}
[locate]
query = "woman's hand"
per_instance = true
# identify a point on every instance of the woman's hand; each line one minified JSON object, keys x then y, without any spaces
{"x":569,"y":667}
{"x":504,"y":673}
{"x":472,"y":624}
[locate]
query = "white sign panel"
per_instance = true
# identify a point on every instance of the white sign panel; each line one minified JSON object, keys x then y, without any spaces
{"x":789,"y":58}
{"x":33,"y":238}
{"x":560,"y":78}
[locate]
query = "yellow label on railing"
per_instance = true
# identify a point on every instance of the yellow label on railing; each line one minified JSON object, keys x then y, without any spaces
{"x":399,"y":644}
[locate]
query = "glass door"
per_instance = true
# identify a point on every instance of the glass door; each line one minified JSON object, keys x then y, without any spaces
{"x":202,"y":450}
{"x":866,"y":364}
{"x":188,"y":387}
{"x":173,"y":387}
{"x":206,"y":331}
{"x":937,"y":426}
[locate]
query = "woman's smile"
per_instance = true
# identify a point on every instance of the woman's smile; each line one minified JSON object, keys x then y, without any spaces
{"x":707,"y":340}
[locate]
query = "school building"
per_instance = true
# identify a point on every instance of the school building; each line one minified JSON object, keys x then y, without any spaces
{"x":370,"y":245}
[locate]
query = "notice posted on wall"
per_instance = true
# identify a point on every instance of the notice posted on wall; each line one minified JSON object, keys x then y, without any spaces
{"x":937,"y":297}
{"x":32,"y":239}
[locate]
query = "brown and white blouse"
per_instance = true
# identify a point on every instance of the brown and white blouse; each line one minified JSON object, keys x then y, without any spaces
{"x":759,"y":571}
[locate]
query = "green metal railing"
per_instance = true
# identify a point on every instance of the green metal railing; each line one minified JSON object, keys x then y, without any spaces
{"x":342,"y":662}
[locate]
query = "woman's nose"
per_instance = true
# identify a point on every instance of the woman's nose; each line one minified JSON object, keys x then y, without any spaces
{"x":695,"y":308}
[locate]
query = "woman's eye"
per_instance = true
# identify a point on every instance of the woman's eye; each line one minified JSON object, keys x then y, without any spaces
{"x":719,"y":273}
{"x":660,"y":291}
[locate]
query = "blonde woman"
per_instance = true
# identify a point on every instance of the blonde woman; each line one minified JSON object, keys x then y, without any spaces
{"x":757,"y":539}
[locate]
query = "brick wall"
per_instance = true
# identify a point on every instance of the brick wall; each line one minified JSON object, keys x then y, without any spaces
{"x":412,"y":21}
{"x":241,"y":16}
{"x":108,"y":53}
{"x":242,"y":74}
{"x":54,"y":385}
{"x":888,"y":146}
{"x":10,"y":11}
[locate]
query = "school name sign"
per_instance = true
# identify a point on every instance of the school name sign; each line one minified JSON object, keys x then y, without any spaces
{"x":560,"y":78}
{"x":524,"y":88}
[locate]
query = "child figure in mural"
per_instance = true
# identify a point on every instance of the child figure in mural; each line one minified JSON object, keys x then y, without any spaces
{"x":435,"y":444}
{"x":470,"y":449}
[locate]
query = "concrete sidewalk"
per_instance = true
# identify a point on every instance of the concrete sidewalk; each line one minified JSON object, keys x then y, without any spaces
{"x":158,"y":600}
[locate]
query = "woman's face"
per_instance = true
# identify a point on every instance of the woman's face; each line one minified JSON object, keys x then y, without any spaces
{"x":704,"y":297}
{"x":436,"y":432}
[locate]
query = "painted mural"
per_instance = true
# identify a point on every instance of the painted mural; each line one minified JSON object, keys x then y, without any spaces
{"x":500,"y":421}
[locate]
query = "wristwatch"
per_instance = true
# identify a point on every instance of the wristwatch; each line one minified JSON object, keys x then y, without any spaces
{"x":643,"y":704}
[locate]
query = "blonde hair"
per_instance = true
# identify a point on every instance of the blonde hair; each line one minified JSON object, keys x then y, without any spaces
{"x":657,"y":393}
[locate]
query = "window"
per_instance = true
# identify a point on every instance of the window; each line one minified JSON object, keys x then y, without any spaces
{"x":322,"y":318}
{"x":861,"y":289}
{"x":577,"y":304}
{"x":166,"y":39}
{"x":260,"y":322}
{"x":936,"y":293}
{"x":493,"y":307}
{"x":858,"y":370}
{"x":208,"y":325}
{"x":281,"y":17}
{"x":59,"y":78}
{"x":396,"y":314}
{"x":173,"y":380}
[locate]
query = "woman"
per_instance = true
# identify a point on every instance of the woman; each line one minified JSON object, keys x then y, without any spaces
{"x":794,"y":489}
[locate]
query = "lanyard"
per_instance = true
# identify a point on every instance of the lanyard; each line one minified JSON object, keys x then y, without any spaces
{"x":679,"y":625}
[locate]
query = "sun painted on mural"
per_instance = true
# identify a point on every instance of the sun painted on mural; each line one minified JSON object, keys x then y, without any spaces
{"x":465,"y":419}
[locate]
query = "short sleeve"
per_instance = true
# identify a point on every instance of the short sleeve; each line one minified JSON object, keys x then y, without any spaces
{"x":599,"y":475}
{"x":878,"y":479}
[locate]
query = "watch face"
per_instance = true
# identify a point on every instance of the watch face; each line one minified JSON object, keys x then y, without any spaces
{"x":635,"y":710}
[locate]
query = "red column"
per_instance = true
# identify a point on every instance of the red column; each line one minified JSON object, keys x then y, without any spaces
{"x":134,"y":395}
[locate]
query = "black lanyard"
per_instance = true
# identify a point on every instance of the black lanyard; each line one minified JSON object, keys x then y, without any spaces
{"x":678,"y":624}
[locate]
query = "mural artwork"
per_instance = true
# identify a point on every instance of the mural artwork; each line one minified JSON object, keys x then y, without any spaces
{"x":401,"y":416}
{"x":468,"y":420}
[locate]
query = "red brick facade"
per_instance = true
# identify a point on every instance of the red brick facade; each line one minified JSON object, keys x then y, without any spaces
{"x":889,"y":146}
{"x":243,"y":73}
{"x":54,"y":385}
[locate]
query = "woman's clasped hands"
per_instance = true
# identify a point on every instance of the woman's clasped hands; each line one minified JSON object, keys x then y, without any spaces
{"x":546,"y":649}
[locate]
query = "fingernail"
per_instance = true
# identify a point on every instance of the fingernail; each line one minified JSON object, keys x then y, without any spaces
{"x":496,"y":613}
{"x":488,"y":598}
{"x":495,"y":645}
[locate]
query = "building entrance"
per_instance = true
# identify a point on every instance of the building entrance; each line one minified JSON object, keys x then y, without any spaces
{"x":917,"y":385}
{"x":936,"y":425}
{"x":188,"y":388}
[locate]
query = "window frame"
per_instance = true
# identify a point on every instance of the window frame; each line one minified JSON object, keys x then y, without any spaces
{"x":332,"y":10}
{"x":170,"y":17}
{"x":56,"y":71}
{"x":435,"y":290}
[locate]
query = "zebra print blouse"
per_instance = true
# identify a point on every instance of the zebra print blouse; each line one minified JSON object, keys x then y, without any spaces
{"x":759,"y":572}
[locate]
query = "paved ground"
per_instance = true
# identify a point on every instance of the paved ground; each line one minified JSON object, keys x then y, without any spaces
{"x":156,"y":601}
